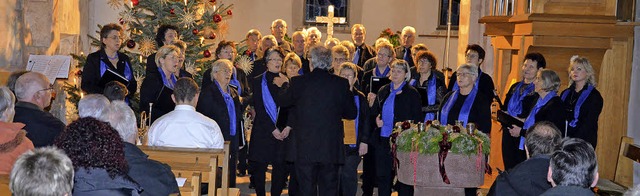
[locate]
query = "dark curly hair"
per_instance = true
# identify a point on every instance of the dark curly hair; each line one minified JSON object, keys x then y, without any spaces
{"x":162,"y":30}
{"x":224,"y":44}
{"x":91,"y":143}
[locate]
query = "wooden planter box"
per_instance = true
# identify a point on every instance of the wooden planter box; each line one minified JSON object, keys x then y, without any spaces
{"x":462,"y":171}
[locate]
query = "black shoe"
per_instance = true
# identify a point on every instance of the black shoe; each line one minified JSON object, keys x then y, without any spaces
{"x":242,"y":174}
{"x":251,"y":185}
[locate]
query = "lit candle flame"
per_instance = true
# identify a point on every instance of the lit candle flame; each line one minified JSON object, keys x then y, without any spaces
{"x":330,"y":8}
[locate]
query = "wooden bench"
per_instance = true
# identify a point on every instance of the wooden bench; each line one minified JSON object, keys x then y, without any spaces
{"x":197,"y":165}
{"x":627,"y":154}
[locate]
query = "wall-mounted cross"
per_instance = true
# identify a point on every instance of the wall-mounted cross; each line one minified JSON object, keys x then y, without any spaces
{"x":330,"y":20}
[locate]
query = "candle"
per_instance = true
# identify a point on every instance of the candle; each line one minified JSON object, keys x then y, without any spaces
{"x":140,"y":57}
{"x":81,"y":95}
{"x":201,"y":40}
{"x":330,"y":8}
{"x":185,"y":2}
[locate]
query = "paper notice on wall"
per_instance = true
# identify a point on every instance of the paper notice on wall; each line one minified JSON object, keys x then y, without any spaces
{"x":53,"y":67}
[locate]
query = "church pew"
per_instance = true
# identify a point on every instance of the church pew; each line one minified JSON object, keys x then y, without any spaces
{"x":189,"y":161}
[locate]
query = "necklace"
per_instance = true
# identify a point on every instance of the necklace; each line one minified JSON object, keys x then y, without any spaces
{"x":114,"y":57}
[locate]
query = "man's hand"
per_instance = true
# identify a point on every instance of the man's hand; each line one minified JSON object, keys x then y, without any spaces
{"x":364,"y":148}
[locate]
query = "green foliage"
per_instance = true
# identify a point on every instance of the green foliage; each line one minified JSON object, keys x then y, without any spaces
{"x":427,"y":141}
{"x":394,"y":38}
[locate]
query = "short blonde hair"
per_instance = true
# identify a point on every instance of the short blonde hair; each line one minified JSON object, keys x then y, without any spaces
{"x":335,"y":41}
{"x":349,"y":45}
{"x":402,"y":64}
{"x":386,"y":45}
{"x":339,"y":49}
{"x":591,"y":74}
{"x":164,"y":51}
{"x":293,"y":58}
{"x":349,"y":66}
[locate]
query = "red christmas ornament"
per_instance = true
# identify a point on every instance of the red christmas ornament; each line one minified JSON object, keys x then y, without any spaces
{"x":229,"y":12}
{"x":217,"y":18}
{"x":172,"y":11}
{"x":79,"y":73}
{"x":195,"y":31}
{"x":207,"y":54}
{"x":131,"y":44}
{"x":212,"y":36}
{"x":121,"y":21}
{"x":406,"y":125}
{"x":135,"y":2}
{"x":212,"y":1}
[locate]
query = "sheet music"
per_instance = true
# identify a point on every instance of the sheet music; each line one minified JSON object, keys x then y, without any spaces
{"x":53,"y":67}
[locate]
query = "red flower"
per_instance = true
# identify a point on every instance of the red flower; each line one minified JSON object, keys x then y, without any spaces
{"x":406,"y":125}
{"x":388,"y":31}
{"x":229,"y":12}
{"x":217,"y":18}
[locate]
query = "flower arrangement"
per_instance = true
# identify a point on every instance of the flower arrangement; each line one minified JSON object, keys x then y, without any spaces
{"x":431,"y":138}
{"x":394,"y":38}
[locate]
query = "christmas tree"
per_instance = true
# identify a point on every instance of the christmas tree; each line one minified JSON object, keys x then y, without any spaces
{"x":199,"y":20}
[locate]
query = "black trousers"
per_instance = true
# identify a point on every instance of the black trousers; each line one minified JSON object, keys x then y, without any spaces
{"x":369,"y":171}
{"x":278,"y":176}
{"x":293,"y":181}
{"x":242,"y":159}
{"x":233,"y":160}
{"x":511,"y":155}
{"x":349,"y":172}
{"x":384,"y":166}
{"x":317,"y":178}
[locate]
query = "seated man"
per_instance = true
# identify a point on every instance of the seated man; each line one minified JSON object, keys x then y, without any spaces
{"x":93,"y":105}
{"x":530,"y":176}
{"x":184,"y":127}
{"x":33,"y":92}
{"x":115,"y":90}
{"x":13,"y":140}
{"x":573,"y":168}
{"x":156,"y":178}
{"x":43,"y":171}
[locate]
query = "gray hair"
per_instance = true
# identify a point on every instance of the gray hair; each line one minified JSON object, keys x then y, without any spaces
{"x":7,"y":104}
{"x":550,"y":80}
{"x":402,"y":64}
{"x":43,"y":171}
{"x":217,"y":66}
{"x":93,"y":105}
{"x":542,"y":138}
{"x":574,"y":163}
{"x":468,"y":68}
{"x":320,"y":57}
{"x":408,"y":29}
{"x":28,"y":84}
{"x":123,"y":120}
{"x":314,"y":30}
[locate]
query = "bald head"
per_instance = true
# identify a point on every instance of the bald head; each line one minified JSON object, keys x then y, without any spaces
{"x":33,"y":87}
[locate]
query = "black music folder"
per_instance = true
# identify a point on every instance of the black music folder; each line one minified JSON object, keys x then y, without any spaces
{"x":508,"y":120}
{"x":110,"y":75}
{"x":377,"y":82}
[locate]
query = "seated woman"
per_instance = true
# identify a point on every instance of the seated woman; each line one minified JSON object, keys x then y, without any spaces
{"x":548,"y":106}
{"x":583,"y":101}
{"x":97,"y":153}
{"x":425,"y":78}
{"x":13,"y":139}
{"x":157,"y":86}
{"x":395,"y":102}
{"x":108,"y":59}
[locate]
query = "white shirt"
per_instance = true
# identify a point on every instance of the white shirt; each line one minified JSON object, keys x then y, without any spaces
{"x":184,"y":127}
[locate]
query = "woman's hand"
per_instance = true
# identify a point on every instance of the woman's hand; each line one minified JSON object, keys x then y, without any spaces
{"x":285,"y":132}
{"x":371,"y":97}
{"x":379,"y":121}
{"x":277,"y":134}
{"x":364,"y":148}
{"x":515,"y":131}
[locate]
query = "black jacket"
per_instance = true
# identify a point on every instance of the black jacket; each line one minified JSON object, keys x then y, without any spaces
{"x":553,"y":112}
{"x":406,"y":106}
{"x":441,"y":90}
{"x":526,"y":178}
{"x":263,"y":146}
{"x":42,"y":127}
{"x":400,"y":50}
{"x":587,"y":126}
{"x":91,"y":72}
{"x":154,"y":91}
{"x":485,"y":85}
{"x":97,"y":182}
{"x":156,"y":178}
{"x":364,"y":122}
{"x":321,"y":101}
{"x":211,"y":104}
{"x":480,"y":113}
{"x":366,"y":52}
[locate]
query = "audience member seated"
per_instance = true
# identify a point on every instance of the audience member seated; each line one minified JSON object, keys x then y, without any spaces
{"x":184,"y":127}
{"x":43,"y":171}
{"x":93,"y":105}
{"x":97,"y":153}
{"x":115,"y":90}
{"x":11,"y":81}
{"x":530,"y":176}
{"x":156,"y":177}
{"x":573,"y":168}
{"x":33,"y":92}
{"x":13,"y":139}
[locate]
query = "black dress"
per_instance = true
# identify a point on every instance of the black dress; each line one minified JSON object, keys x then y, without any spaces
{"x":511,"y":155}
{"x":91,"y":75}
{"x":587,"y":126}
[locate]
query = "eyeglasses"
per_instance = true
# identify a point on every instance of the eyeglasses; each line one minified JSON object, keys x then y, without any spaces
{"x":274,"y":59}
{"x":50,"y":89}
{"x":471,"y":56}
{"x":460,"y":74}
{"x":114,"y":37}
{"x":347,"y":76}
{"x":340,"y":59}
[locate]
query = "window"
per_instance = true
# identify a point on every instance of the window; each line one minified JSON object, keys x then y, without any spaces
{"x":315,"y":8}
{"x":455,"y":14}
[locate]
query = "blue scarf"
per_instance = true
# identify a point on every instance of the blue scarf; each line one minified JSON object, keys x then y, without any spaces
{"x":357,"y":99}
{"x":431,"y":97}
{"x":515,"y":103}
{"x":127,"y":70}
{"x":581,"y":99}
{"x":531,"y":119}
{"x":455,"y":84}
{"x":464,"y":111}
{"x":234,"y":81}
{"x":168,"y":83}
{"x":267,"y":100}
{"x":231,"y":109}
{"x":300,"y":71}
{"x":387,"y":111}
{"x":386,"y":71}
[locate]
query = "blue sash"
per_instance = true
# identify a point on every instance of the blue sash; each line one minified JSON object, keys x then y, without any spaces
{"x":234,"y":81}
{"x":267,"y":100}
{"x":231,"y":109}
{"x":515,"y":103}
{"x":387,"y":111}
{"x":357,"y":100}
{"x":386,"y":71}
{"x":127,"y":70}
{"x":464,"y":111}
{"x":168,"y":83}
{"x":431,"y":97}
{"x":456,"y":87}
{"x":531,"y":119}
{"x":581,"y":99}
